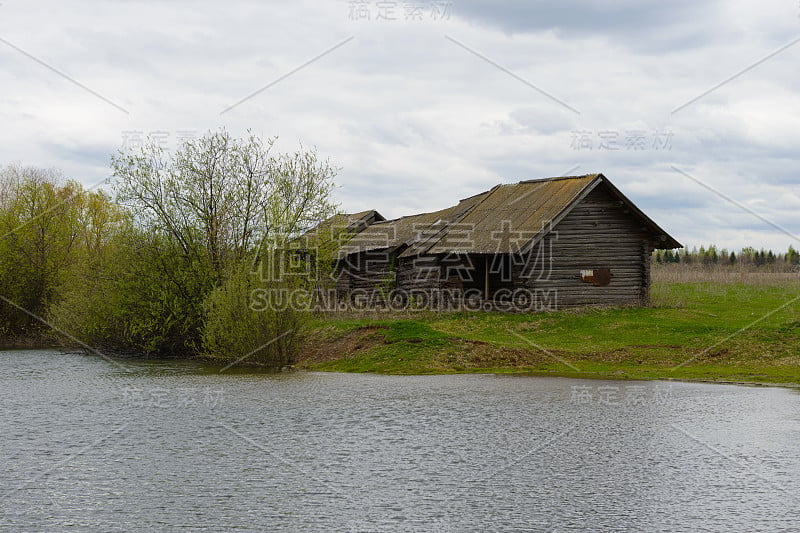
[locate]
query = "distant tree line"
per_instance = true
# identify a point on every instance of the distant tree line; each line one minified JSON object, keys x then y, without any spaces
{"x":746,"y":257}
{"x":166,"y":266}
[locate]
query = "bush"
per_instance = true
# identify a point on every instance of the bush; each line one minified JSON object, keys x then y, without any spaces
{"x":147,"y":298}
{"x":247,"y":320}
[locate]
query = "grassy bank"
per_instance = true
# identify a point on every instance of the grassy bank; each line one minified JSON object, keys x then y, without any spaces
{"x":718,"y":331}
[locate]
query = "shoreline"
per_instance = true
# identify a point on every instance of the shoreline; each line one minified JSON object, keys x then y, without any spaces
{"x":533,"y":374}
{"x":701,"y":332}
{"x":612,"y":374}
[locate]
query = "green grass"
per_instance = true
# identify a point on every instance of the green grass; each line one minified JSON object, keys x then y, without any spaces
{"x":697,"y":331}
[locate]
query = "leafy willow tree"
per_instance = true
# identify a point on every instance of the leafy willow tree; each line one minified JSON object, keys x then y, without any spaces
{"x":137,"y":295}
{"x":45,"y":224}
{"x":213,"y":210}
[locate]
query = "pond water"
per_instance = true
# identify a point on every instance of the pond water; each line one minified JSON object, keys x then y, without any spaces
{"x":91,"y":445}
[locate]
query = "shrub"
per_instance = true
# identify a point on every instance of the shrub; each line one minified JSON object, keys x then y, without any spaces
{"x":248,"y":321}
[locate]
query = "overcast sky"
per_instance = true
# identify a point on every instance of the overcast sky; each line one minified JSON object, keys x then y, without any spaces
{"x":423,"y":103}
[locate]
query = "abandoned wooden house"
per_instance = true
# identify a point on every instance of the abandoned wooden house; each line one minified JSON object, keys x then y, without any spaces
{"x":538,"y":244}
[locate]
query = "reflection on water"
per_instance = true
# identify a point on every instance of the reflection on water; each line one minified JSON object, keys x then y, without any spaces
{"x":87,"y":445}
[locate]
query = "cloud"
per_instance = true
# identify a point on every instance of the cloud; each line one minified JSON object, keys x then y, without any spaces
{"x":417,"y":120}
{"x":642,"y":25}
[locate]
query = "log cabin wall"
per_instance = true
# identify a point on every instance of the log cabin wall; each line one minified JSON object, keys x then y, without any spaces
{"x":598,"y":233}
{"x":420,"y":273}
{"x":365,"y":273}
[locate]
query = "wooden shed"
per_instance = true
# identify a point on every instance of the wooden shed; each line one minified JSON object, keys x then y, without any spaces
{"x":550,"y":243}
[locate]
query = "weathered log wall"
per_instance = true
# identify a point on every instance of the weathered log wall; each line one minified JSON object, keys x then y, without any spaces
{"x":365,"y":272}
{"x":598,"y":233}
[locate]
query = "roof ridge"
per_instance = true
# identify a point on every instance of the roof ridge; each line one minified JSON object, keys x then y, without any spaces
{"x":478,"y":194}
{"x":557,"y":178}
{"x":362,"y":213}
{"x":446,"y":208}
{"x":414,"y":215}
